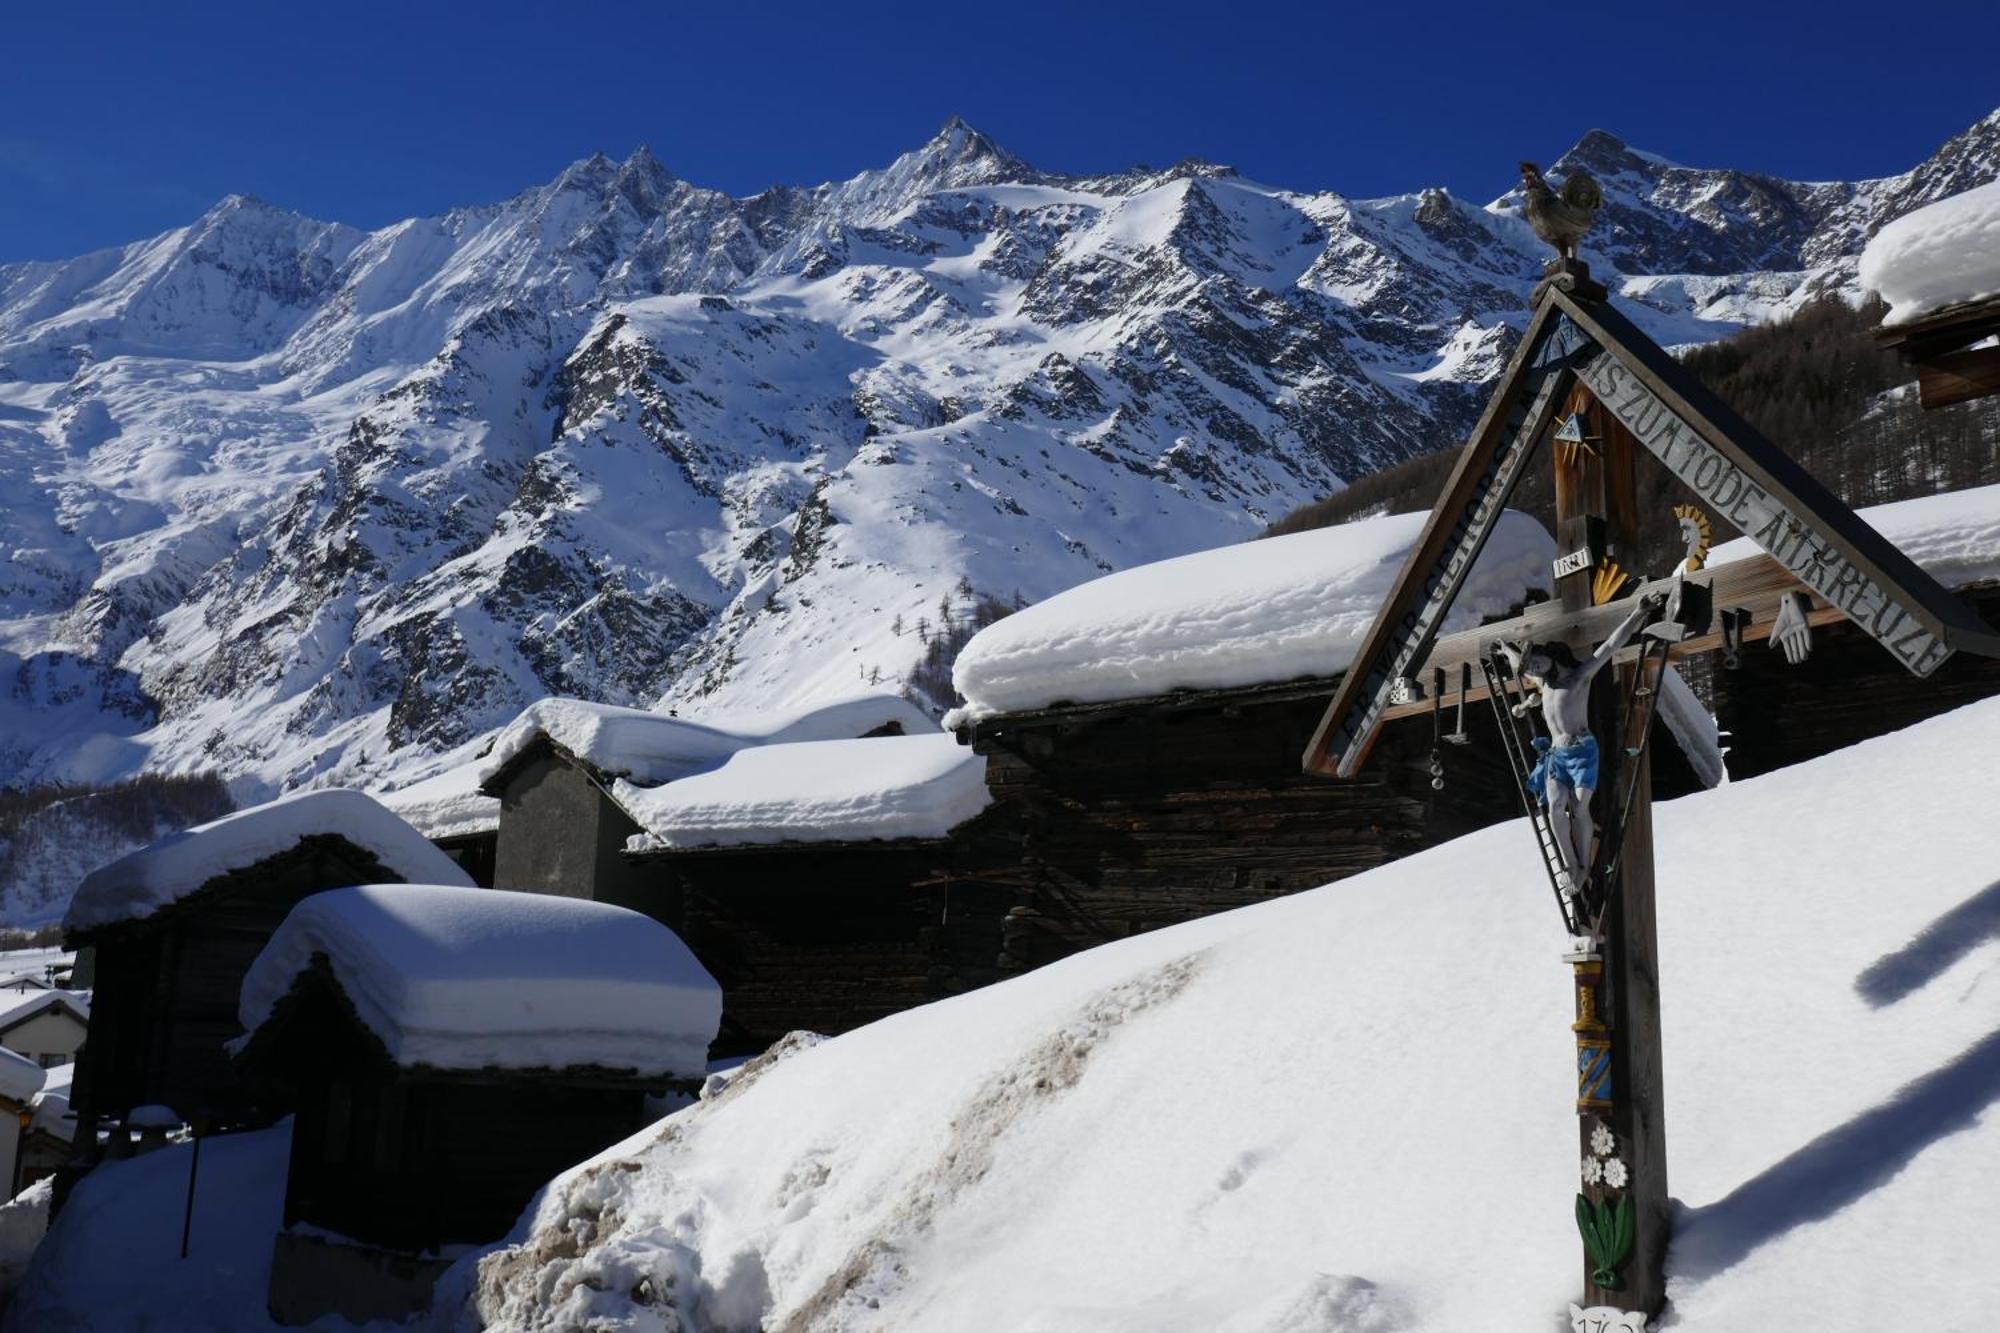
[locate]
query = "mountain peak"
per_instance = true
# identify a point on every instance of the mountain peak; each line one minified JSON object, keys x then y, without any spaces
{"x":957,"y":144}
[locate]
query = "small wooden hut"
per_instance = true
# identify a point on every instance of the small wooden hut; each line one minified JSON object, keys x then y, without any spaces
{"x":172,"y":928}
{"x":818,"y":881}
{"x":453,"y":1049}
{"x":553,"y":769}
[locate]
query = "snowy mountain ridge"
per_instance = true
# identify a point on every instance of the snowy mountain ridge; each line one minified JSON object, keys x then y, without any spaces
{"x":303,"y":503}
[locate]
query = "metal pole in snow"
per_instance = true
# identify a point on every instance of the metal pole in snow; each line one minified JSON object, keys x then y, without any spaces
{"x":194,"y":1168}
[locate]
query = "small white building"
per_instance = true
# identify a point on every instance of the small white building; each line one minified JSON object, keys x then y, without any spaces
{"x":46,"y":1027}
{"x":20,"y":1080}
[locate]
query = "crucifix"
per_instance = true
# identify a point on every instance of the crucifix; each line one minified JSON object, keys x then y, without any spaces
{"x":1588,"y":668}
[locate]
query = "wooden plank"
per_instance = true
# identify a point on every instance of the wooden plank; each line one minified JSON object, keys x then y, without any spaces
{"x":1958,"y":377}
{"x":1464,"y":516}
{"x":1756,"y":583}
{"x":1766,"y":495}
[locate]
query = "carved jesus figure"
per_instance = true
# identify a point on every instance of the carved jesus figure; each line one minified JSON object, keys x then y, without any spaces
{"x":1565,"y":776}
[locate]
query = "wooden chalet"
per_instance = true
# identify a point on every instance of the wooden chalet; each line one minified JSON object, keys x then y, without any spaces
{"x":171,"y":929}
{"x":1185,"y":799}
{"x":514,"y":1041}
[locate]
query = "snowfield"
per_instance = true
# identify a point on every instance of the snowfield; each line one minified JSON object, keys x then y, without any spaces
{"x":1349,"y":1111}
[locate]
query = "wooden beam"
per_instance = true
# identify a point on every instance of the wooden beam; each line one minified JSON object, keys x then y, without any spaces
{"x":1488,"y":468}
{"x":1756,"y":584}
{"x":1748,"y":480}
{"x":1958,"y":377}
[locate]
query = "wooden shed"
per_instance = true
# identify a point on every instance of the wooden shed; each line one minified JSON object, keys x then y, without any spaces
{"x":560,"y":829}
{"x":172,"y":928}
{"x":819,"y":881}
{"x":453,"y":1049}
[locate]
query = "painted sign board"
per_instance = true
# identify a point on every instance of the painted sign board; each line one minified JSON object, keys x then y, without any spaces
{"x":1793,"y":534}
{"x":1574,"y":563}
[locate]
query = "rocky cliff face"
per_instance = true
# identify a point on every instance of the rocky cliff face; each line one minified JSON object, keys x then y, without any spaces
{"x":306,"y":504}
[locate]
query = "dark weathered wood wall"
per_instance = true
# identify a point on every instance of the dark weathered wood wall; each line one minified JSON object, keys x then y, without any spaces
{"x":1133,"y":818}
{"x":167,"y":988}
{"x":824,"y":938}
{"x":1848,"y":691}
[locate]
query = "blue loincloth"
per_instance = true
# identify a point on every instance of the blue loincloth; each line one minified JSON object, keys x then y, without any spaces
{"x":1574,"y":765}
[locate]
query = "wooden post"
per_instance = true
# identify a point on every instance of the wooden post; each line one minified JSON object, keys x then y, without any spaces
{"x":1601,"y":495}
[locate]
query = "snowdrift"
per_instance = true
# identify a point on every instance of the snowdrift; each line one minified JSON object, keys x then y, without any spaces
{"x":1350,"y":1110}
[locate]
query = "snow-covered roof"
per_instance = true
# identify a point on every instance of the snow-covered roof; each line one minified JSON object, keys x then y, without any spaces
{"x":460,"y":978}
{"x":1945,"y":254}
{"x":179,"y":864}
{"x":815,"y":791}
{"x":649,"y":747}
{"x":1954,"y":537}
{"x":19,"y":1008}
{"x":20,"y":1077}
{"x":445,"y":805}
{"x":52,"y":1102}
{"x":1255,"y":613}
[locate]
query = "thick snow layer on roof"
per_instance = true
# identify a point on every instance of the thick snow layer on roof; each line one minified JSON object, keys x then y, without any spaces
{"x":445,"y":805}
{"x":816,"y":791}
{"x":20,"y":1077}
{"x":1351,"y":1108}
{"x":17,"y":1007}
{"x":651,"y":748}
{"x":842,"y":719}
{"x":623,"y":742}
{"x":1942,"y":255}
{"x":1955,"y":536}
{"x":461,"y":978}
{"x":52,"y":1103}
{"x":1258,"y":612}
{"x":180,"y":863}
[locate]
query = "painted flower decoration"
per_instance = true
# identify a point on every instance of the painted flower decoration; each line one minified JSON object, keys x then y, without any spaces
{"x":1593,"y":1170}
{"x":1602,"y":1140}
{"x":1615,"y":1174}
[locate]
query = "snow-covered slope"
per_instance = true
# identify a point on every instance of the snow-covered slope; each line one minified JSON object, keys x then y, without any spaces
{"x":310,"y":505}
{"x":1350,"y":1110}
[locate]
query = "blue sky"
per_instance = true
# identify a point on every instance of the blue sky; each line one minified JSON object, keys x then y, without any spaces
{"x":118,"y":120}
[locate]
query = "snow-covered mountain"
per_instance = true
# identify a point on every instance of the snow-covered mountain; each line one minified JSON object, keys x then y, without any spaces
{"x":304,"y":503}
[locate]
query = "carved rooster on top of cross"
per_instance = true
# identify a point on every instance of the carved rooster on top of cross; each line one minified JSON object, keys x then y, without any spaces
{"x":1562,"y":215}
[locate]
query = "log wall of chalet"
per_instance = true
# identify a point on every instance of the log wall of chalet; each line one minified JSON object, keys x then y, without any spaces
{"x":827,"y":937}
{"x":1145,"y":814}
{"x":560,"y":833}
{"x":166,"y":988}
{"x":1849,"y":690}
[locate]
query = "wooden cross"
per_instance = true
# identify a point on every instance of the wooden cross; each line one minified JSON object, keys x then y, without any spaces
{"x":1613,"y":390}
